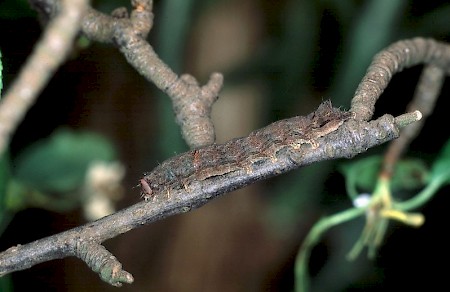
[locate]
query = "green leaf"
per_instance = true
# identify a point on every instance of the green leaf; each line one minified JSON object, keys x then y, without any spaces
{"x":6,"y":284}
{"x":15,"y":9}
{"x":362,"y":175}
{"x":4,"y":180}
{"x":410,"y":174}
{"x":4,"y":176}
{"x":1,"y":77}
{"x":59,"y":163}
{"x":441,"y":166}
{"x":16,"y":196}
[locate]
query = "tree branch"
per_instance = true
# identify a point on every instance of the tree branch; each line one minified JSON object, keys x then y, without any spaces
{"x":394,"y":59}
{"x":351,"y":138}
{"x":191,"y":103}
{"x":49,"y":53}
{"x":424,"y":100}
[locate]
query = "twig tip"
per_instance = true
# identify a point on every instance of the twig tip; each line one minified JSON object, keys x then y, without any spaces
{"x":408,"y":118}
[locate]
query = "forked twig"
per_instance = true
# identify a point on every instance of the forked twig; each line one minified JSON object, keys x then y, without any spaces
{"x":191,"y":102}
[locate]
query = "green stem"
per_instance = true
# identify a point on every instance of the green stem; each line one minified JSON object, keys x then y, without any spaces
{"x":313,"y":237}
{"x":424,"y":196}
{"x":350,"y":186}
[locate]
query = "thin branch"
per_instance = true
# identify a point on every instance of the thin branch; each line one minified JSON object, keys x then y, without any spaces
{"x":49,"y":53}
{"x":424,"y":100}
{"x":102,"y":262}
{"x":394,"y":59}
{"x":191,"y":102}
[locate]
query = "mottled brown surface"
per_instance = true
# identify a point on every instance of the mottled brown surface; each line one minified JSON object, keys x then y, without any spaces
{"x":244,"y":153}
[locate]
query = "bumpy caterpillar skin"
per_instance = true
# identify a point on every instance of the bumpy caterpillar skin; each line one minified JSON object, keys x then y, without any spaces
{"x":242,"y":153}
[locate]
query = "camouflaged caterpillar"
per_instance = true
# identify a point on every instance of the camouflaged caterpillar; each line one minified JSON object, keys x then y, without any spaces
{"x":243,"y":153}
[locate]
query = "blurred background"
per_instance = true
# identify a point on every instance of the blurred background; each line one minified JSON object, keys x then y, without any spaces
{"x":98,"y":126}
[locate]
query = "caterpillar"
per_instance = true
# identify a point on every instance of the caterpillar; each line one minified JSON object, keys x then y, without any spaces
{"x":283,"y":137}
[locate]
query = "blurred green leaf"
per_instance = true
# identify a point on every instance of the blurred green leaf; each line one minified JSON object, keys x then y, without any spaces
{"x":4,"y":175}
{"x":371,"y":30}
{"x":176,"y":18}
{"x":14,"y":9}
{"x":362,"y":174}
{"x":410,"y":174}
{"x":16,"y":196}
{"x":1,"y":78}
{"x":6,"y":284}
{"x":441,"y":165}
{"x":4,"y":178}
{"x":59,"y":163}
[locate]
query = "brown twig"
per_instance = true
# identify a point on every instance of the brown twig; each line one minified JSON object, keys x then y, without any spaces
{"x":424,"y":100}
{"x":49,"y":53}
{"x":191,"y":103}
{"x":394,"y":59}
